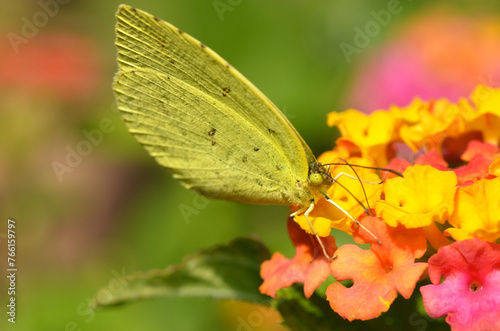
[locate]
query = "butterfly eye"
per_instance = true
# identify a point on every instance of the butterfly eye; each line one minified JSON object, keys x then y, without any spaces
{"x":316,"y":179}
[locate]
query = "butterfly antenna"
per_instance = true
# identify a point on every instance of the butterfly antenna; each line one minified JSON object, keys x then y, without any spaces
{"x":362,"y":187}
{"x":367,"y":211}
{"x":395,"y":172}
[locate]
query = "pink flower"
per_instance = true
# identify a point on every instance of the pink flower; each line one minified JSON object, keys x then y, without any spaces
{"x":470,"y":292}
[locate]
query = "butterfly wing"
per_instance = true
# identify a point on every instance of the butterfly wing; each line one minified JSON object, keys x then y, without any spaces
{"x":202,"y":120}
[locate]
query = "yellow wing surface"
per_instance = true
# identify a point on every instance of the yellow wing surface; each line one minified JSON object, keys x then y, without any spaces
{"x":203,"y":120}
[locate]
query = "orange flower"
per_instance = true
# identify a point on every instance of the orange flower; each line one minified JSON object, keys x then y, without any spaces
{"x":308,"y":266}
{"x":378,"y":273}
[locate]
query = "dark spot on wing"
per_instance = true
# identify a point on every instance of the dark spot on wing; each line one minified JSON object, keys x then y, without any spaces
{"x":225,"y":91}
{"x":271,"y":131}
{"x":171,"y":60}
{"x":157,"y":19}
{"x":203,"y":45}
{"x":211,"y":133}
{"x":180,"y":31}
{"x":228,"y":66}
{"x":165,"y":111}
{"x":258,"y":182}
{"x":134,"y":9}
{"x":256,"y":149}
{"x":244,"y":159}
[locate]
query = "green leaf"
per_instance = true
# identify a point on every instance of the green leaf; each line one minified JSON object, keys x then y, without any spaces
{"x":300,"y":313}
{"x":223,"y":272}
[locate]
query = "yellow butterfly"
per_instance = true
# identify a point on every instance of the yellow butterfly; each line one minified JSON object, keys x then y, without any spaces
{"x":205,"y":122}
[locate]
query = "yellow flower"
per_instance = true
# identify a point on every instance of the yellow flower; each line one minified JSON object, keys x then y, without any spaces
{"x":423,"y":196}
{"x":485,"y":118}
{"x":371,"y":133}
{"x":477,"y":211}
{"x":426,"y":124}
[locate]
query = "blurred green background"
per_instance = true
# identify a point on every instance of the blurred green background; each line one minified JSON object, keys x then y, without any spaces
{"x":115,"y":211}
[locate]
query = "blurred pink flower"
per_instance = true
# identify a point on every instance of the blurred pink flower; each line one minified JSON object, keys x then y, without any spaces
{"x":435,"y":55}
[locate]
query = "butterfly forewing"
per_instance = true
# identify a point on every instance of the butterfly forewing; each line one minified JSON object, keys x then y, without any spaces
{"x":201,"y":119}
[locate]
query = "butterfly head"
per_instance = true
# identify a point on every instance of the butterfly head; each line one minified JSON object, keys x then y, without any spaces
{"x":319,"y":174}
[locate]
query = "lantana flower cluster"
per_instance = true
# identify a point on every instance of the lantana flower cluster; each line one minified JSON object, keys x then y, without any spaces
{"x":440,"y":220}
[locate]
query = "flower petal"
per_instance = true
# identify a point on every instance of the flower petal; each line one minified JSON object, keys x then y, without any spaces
{"x":423,"y":196}
{"x":477,"y":211}
{"x":378,"y":274}
{"x":470,"y":292}
{"x":308,"y":266}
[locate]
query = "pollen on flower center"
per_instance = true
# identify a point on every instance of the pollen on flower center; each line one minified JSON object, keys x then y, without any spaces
{"x":475,"y":286}
{"x":388,"y":268}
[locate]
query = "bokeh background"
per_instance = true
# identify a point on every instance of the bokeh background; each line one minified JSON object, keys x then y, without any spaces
{"x":84,"y":221}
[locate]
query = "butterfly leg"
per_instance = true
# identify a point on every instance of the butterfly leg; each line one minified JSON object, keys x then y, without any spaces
{"x":327,"y":198}
{"x":307,"y":211}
